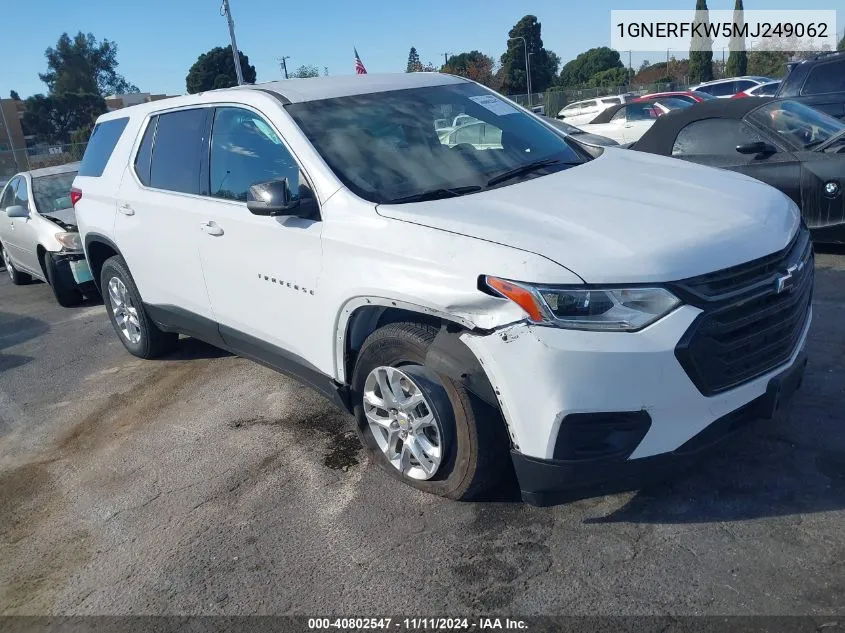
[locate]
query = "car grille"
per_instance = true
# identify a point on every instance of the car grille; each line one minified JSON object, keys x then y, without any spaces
{"x":752,"y":320}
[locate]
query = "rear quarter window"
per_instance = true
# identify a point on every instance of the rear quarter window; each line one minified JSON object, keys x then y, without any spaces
{"x":825,"y":79}
{"x":100,"y":146}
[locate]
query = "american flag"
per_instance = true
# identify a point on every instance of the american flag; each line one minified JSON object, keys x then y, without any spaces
{"x":359,"y":65}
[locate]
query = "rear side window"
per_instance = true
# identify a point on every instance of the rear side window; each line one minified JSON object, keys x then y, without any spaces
{"x":714,"y":137}
{"x":825,"y":78}
{"x":100,"y":146}
{"x":724,"y":89}
{"x":145,"y":152}
{"x":175,"y":164}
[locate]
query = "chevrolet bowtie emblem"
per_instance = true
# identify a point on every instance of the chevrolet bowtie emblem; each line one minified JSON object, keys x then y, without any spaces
{"x":786,"y":281}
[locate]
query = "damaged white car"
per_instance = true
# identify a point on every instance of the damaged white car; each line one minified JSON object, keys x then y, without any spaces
{"x":38,"y":235}
{"x":590,"y":319}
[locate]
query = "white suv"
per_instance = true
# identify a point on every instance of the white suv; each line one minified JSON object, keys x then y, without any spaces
{"x":591,"y":318}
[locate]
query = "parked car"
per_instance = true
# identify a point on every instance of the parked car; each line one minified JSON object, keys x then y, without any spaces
{"x":626,"y":123}
{"x":584,"y":111}
{"x":589,"y":141}
{"x":528,"y":302}
{"x":726,"y":88}
{"x":760,"y":90}
{"x":786,"y":144}
{"x":687,"y":95}
{"x":38,"y":234}
{"x":818,"y":82}
{"x":478,"y":135}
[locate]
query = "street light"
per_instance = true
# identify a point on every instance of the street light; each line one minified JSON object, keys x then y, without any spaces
{"x":527,"y":67}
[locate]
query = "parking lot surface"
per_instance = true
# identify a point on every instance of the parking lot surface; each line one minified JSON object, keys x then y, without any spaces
{"x":203,"y":483}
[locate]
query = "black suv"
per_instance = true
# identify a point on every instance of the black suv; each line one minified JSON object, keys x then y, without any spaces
{"x":818,"y":82}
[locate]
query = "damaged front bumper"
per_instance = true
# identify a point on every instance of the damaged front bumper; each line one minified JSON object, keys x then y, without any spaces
{"x":74,"y":269}
{"x":594,"y":412}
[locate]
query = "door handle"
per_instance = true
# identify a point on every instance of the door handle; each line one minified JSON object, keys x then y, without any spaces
{"x":125,"y":208}
{"x":211,"y":228}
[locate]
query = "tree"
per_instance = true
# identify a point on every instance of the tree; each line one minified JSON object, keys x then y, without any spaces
{"x":644,"y":65}
{"x":578,"y":72}
{"x":701,"y":51}
{"x":738,"y":59}
{"x":56,"y":118}
{"x":841,"y":46}
{"x":474,"y":65}
{"x":544,"y":63}
{"x":216,"y":69}
{"x":14,"y":95}
{"x":414,"y":64}
{"x":610,"y":78}
{"x":84,"y":65}
{"x":304,"y":72}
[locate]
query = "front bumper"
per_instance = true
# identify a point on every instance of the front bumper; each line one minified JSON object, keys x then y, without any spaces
{"x":541,"y":375}
{"x":74,"y":270}
{"x":544,"y":482}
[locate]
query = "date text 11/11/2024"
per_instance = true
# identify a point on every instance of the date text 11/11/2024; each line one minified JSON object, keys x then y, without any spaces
{"x":432,"y":624}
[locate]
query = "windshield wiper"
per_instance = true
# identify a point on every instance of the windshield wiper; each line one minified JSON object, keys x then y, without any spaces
{"x":435,"y":194}
{"x":525,"y":169}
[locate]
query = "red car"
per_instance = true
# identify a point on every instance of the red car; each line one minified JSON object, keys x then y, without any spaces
{"x":690,"y":97}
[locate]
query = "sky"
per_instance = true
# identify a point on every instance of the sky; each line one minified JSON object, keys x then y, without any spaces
{"x":159,"y":40}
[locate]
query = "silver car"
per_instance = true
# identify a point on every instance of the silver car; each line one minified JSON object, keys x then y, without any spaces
{"x":38,"y":235}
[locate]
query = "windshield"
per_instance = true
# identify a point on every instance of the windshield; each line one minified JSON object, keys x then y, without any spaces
{"x":798,"y":125}
{"x":52,"y":193}
{"x":388,"y":146}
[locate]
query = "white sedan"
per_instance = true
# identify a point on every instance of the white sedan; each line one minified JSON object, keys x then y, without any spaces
{"x":627,"y":122}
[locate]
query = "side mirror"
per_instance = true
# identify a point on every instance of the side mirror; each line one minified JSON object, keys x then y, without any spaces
{"x":273,"y":197}
{"x":17,"y":211}
{"x":757,"y":147}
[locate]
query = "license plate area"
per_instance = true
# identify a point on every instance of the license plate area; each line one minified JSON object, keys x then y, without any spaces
{"x":782,"y":387}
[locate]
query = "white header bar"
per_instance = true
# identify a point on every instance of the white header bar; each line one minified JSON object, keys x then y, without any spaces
{"x":660,"y":30}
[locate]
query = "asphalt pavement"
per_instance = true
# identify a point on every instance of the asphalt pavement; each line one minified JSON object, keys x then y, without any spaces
{"x":206,"y":484}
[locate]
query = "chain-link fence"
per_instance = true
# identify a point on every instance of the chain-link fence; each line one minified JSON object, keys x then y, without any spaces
{"x":38,"y":156}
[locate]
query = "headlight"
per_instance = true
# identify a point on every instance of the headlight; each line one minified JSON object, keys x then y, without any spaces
{"x":613,"y":309}
{"x":69,"y":241}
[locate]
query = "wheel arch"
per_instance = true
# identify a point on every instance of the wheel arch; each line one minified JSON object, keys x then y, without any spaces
{"x":448,"y":355}
{"x":40,"y":251}
{"x":98,"y":248}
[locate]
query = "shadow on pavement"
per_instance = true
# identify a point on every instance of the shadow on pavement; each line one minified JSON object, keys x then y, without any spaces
{"x":16,"y":329}
{"x":193,"y":349}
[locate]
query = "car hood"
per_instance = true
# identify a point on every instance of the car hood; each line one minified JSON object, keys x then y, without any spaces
{"x":624,"y":217}
{"x":65,"y":218}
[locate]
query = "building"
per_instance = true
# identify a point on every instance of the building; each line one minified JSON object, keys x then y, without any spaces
{"x":116,"y":102}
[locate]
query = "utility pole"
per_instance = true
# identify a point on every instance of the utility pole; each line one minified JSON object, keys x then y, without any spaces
{"x":445,"y":59}
{"x":283,"y":63}
{"x":630,"y":64}
{"x":527,"y":67}
{"x":227,"y":11}
{"x":9,"y":136}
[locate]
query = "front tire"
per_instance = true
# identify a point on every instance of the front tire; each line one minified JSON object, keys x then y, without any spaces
{"x":139,"y":335}
{"x":422,"y":427}
{"x":18,"y":278}
{"x":62,"y":283}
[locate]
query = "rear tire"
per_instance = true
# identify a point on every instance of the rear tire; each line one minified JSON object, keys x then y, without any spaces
{"x":473,"y":446}
{"x":18,"y":278}
{"x":139,"y":335}
{"x":62,"y":283}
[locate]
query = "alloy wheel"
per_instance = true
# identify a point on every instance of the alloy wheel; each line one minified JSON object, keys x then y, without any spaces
{"x":125,"y":313}
{"x":403,"y":422}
